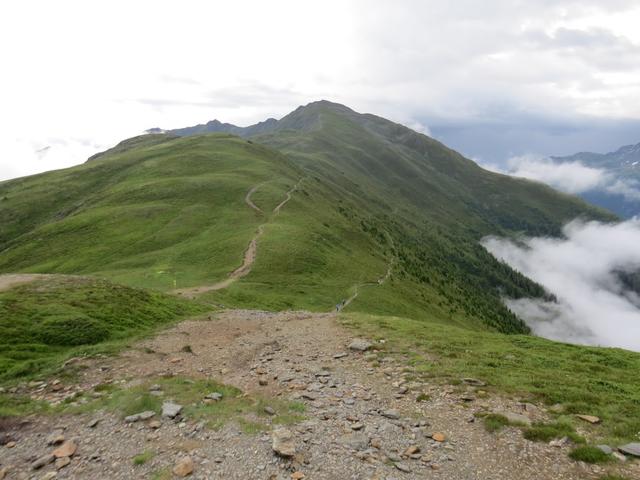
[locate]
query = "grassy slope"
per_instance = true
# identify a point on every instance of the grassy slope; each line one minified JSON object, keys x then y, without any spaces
{"x":145,"y":216}
{"x":428,"y":207}
{"x":584,"y":380}
{"x":159,"y":211}
{"x":47,"y":321}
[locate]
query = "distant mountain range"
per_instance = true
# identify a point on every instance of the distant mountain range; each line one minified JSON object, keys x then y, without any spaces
{"x":624,"y":166}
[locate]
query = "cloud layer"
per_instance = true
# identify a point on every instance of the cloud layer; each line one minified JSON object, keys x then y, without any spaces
{"x":570,"y":177}
{"x":594,"y":305}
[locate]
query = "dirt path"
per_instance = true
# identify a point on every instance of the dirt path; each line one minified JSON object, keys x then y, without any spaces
{"x":362,"y":418}
{"x":357,"y":287}
{"x":248,"y":201}
{"x":250,"y":253}
{"x":11,"y":280}
{"x":288,"y":197}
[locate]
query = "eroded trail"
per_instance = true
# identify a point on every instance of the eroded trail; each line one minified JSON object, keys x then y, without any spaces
{"x":250,"y":253}
{"x":362,"y":419}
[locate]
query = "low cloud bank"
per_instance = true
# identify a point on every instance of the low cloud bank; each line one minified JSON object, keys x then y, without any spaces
{"x":582,"y":269}
{"x":570,"y":177}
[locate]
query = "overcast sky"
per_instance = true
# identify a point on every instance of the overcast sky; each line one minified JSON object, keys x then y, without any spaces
{"x":494,"y":78}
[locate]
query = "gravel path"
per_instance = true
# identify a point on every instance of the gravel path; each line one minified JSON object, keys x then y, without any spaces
{"x":362,"y":418}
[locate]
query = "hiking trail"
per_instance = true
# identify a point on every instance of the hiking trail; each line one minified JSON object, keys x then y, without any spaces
{"x":250,"y":253}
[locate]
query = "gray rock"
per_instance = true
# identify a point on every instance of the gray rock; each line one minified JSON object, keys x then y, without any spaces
{"x":215,"y":396}
{"x":93,"y":423}
{"x":392,"y":414}
{"x":42,"y":461}
{"x":340,"y":355}
{"x":355,"y":441}
{"x":146,"y":415}
{"x":360,"y":345}
{"x":403,"y":467}
{"x":632,"y":448}
{"x":618,"y":456}
{"x":56,"y":437}
{"x":269,"y":410}
{"x":171,"y":409}
{"x":516,"y":418}
{"x":605,"y":449}
{"x":283,"y":442}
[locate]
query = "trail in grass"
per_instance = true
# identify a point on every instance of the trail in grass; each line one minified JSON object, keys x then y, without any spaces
{"x":248,"y":200}
{"x":288,"y":197}
{"x":10,"y":280}
{"x":358,"y":286}
{"x":250,"y":253}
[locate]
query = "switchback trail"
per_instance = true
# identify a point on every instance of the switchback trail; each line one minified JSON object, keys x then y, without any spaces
{"x":248,"y":200}
{"x":367,"y":414}
{"x":358,"y":286}
{"x":249,"y":254}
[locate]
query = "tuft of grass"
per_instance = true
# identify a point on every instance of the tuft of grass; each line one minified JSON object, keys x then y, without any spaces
{"x":545,"y":432}
{"x":423,"y":397}
{"x":143,"y":457}
{"x":589,"y":454}
{"x":495,"y":422}
{"x":162,"y":474}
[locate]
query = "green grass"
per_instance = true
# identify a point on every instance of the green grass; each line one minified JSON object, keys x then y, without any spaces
{"x":589,"y":454}
{"x":143,"y":457}
{"x":495,"y":422}
{"x":50,"y":320}
{"x":587,"y":380}
{"x":545,"y":432}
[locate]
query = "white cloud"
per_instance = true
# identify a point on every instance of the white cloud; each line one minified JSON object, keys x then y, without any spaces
{"x":105,"y":72}
{"x":570,"y":177}
{"x":594,"y":306}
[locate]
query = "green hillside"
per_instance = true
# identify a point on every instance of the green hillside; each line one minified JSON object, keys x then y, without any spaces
{"x":165,"y":212}
{"x":57,"y":317}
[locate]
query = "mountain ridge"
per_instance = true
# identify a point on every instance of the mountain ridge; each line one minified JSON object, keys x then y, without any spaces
{"x":168,"y":212}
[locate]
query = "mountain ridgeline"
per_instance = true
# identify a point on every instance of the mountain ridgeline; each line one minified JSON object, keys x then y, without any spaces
{"x":339,"y":206}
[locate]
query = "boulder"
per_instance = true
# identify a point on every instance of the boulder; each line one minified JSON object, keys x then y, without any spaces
{"x":355,"y":441}
{"x":183,"y":467}
{"x":146,"y":415}
{"x":360,"y":345}
{"x":283,"y":442}
{"x":67,"y":449}
{"x":171,"y":409}
{"x":632,"y":449}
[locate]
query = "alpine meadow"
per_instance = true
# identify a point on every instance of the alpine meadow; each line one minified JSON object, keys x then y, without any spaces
{"x":199,"y":279}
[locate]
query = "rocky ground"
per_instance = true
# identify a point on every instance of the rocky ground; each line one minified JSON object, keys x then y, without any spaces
{"x":365,"y":417}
